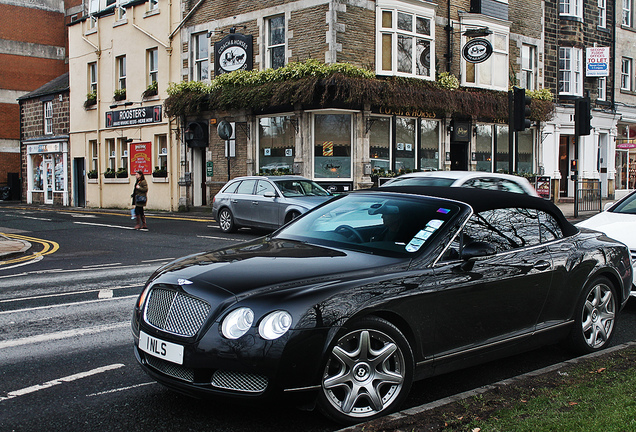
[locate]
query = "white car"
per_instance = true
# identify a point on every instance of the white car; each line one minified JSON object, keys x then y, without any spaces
{"x":618,"y":221}
{"x":470,"y":179}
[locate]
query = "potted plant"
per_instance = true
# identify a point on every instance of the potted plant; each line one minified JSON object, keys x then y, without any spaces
{"x":91,"y":99}
{"x":92,"y":174}
{"x":122,"y":173}
{"x":120,"y":94}
{"x":151,"y":90}
{"x":110,"y":173}
{"x":160,"y":172}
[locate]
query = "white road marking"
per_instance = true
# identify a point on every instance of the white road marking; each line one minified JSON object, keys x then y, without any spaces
{"x":66,"y":293}
{"x":66,"y":305}
{"x":70,"y":378}
{"x":105,"y":225}
{"x":120,"y":389}
{"x":36,"y":218}
{"x":105,"y":294}
{"x":62,"y":335}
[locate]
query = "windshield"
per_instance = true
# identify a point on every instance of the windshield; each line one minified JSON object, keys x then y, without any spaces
{"x":298,"y":188}
{"x":420,"y":181}
{"x":383,"y":224}
{"x":627,"y":206}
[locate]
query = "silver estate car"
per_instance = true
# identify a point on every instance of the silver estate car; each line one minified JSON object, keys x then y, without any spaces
{"x":265,"y":201}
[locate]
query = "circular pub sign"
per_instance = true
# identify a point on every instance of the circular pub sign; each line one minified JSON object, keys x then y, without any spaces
{"x":477,"y":50}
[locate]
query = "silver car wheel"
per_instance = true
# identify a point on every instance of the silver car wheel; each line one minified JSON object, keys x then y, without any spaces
{"x":599,"y":313}
{"x":365,"y":374}
{"x":226,"y":220}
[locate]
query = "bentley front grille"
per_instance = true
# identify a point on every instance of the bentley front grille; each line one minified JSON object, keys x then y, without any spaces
{"x":174,"y":370}
{"x":175,"y":312}
{"x":238,"y":381}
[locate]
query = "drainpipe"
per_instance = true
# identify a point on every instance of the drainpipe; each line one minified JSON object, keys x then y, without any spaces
{"x":449,"y":35}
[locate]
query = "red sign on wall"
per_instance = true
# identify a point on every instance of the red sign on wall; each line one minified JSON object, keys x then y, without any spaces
{"x":141,"y":157}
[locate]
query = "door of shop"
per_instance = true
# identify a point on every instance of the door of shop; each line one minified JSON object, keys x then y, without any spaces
{"x":459,"y":156}
{"x":78,"y":184}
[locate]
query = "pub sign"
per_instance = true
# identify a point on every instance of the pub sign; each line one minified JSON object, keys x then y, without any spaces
{"x":134,"y":116}
{"x":233,"y":52}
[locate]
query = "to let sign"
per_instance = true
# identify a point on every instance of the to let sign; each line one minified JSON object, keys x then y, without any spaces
{"x":597,"y":62}
{"x":141,"y":157}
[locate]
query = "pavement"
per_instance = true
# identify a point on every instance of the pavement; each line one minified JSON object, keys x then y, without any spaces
{"x":10,"y":245}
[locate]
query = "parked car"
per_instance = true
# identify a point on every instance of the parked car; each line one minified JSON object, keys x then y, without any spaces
{"x":265,"y":202}
{"x":468,"y":179}
{"x":349,"y":316}
{"x":618,"y":221}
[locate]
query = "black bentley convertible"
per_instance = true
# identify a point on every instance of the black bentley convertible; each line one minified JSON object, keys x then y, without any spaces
{"x":350,"y":303}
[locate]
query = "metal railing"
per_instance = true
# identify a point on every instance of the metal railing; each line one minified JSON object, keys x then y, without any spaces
{"x":588,"y":198}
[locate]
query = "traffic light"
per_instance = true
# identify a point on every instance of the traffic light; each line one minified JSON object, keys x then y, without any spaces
{"x":521,"y":109}
{"x":582,"y":117}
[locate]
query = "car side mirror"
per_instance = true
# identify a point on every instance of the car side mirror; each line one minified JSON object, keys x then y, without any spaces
{"x":607,"y":206}
{"x":477,"y":250}
{"x":270,"y":194}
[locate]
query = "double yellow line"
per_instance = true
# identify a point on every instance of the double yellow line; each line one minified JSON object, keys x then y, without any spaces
{"x":48,"y":247}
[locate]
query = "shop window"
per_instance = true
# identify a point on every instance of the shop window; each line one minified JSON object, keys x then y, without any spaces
{"x":275,"y":42}
{"x":622,"y":169}
{"x":161,"y":152}
{"x":429,"y":145}
{"x":405,"y":131}
{"x":502,"y":144}
{"x":276,"y":143}
{"x":380,"y":144}
{"x":37,"y":174}
{"x":492,"y":73}
{"x":59,"y":173}
{"x":406,"y":39}
{"x":525,"y":156}
{"x":483,"y":148}
{"x":332,"y":146}
{"x":570,"y":71}
{"x":200,"y":55}
{"x":48,"y":117}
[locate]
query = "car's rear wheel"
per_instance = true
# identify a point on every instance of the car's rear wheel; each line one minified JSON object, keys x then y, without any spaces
{"x":368,"y":373}
{"x":595,"y":319}
{"x":226,"y":220}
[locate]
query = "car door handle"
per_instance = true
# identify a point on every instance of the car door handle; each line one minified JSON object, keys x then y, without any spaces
{"x":541,"y":265}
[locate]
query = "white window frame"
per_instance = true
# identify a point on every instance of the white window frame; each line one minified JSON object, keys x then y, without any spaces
{"x":270,"y":47}
{"x":122,"y":149}
{"x":121,"y":72}
{"x":602,"y":88}
{"x":92,"y":77}
{"x":602,"y":13}
{"x":48,"y":117}
{"x":528,"y":66}
{"x":396,"y":8}
{"x":111,"y":153}
{"x":121,"y":10}
{"x":199,"y":62}
{"x":499,"y":52}
{"x":94,"y":158}
{"x":571,"y":8}
{"x":153,"y":5}
{"x":153,"y":65}
{"x":570,"y":75}
{"x":161,"y":142}
{"x":626,"y":73}
{"x":627,"y":13}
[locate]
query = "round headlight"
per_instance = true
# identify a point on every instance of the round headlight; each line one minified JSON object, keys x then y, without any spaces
{"x":237,"y":323}
{"x":275,"y":325}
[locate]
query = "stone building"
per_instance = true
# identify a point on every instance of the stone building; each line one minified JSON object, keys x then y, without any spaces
{"x":343,"y":145}
{"x":44,"y":120}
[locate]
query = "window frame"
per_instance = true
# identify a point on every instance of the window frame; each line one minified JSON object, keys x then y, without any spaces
{"x":314,"y":161}
{"x":627,"y":13}
{"x":48,"y":117}
{"x":199,"y":62}
{"x":574,"y":72}
{"x":92,"y":144}
{"x":270,"y":47}
{"x":499,"y":77}
{"x":528,"y":71}
{"x":92,"y":77}
{"x":152,"y":58}
{"x":571,"y":8}
{"x":122,"y":151}
{"x":121,"y":10}
{"x":626,"y":74}
{"x":161,"y":142}
{"x":394,"y":33}
{"x":602,"y":13}
{"x":111,"y":153}
{"x":153,"y":5}
{"x":601,"y":87}
{"x":121,"y":72}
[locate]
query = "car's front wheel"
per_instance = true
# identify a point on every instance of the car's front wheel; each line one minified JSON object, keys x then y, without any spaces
{"x":595,"y":319}
{"x":226,"y":221}
{"x":368,"y":373}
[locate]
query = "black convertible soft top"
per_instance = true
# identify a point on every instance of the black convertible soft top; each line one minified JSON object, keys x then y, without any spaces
{"x":485,"y":199}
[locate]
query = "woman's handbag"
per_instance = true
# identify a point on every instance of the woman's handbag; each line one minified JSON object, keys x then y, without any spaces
{"x":141,"y":199}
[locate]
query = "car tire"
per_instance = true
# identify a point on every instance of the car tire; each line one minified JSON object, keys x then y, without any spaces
{"x":368,"y":372}
{"x":226,"y":221}
{"x":595,"y":319}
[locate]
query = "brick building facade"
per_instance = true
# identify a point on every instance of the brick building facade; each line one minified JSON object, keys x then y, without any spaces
{"x":45,"y":125}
